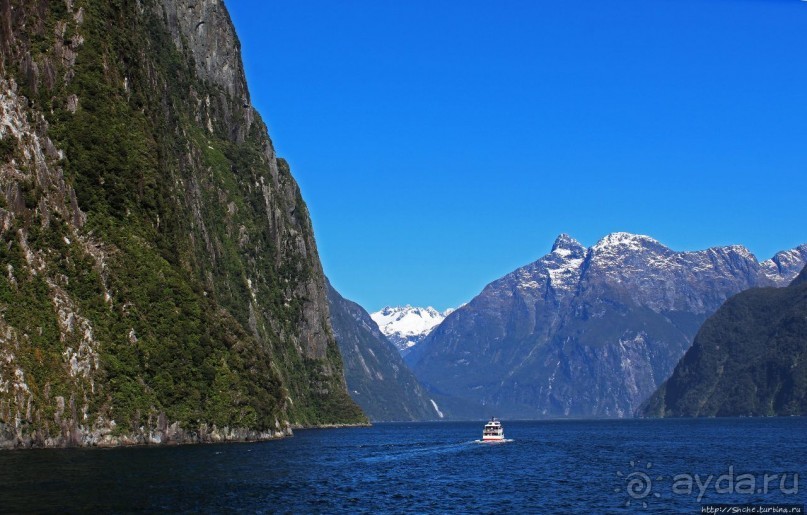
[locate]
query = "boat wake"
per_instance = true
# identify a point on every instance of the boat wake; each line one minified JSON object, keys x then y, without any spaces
{"x":494,"y":442}
{"x":412,"y":452}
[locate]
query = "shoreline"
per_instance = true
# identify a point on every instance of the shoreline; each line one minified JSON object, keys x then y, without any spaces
{"x":332,"y":426}
{"x":167,"y":437}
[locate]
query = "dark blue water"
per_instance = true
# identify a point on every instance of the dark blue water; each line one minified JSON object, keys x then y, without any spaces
{"x":550,"y":467}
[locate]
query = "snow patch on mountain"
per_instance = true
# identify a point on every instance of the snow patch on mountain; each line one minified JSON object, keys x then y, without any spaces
{"x":406,"y":326}
{"x":625,"y":241}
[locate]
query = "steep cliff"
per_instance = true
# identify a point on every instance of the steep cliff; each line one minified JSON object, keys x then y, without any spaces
{"x":587,"y":331}
{"x":377,"y":378}
{"x":160,"y":277}
{"x":748,"y":359}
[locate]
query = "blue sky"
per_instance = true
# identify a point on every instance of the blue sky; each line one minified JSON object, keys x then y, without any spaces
{"x":440,"y":145}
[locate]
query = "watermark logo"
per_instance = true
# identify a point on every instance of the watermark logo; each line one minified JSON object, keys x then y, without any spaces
{"x":730,"y":482}
{"x":641,"y":485}
{"x":638,"y":484}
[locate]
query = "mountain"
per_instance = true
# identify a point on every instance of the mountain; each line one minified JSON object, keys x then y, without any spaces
{"x":748,"y":359}
{"x":377,"y":378}
{"x":407,"y":326}
{"x":160,"y":280}
{"x":587,"y":331}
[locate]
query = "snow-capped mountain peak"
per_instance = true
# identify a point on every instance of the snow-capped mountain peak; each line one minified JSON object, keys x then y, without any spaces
{"x":565,"y":245}
{"x":406,"y":326}
{"x":625,"y":241}
{"x":784,"y":264}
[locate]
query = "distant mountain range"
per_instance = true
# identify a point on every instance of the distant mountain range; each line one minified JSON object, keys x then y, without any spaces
{"x":407,"y":326}
{"x":587,"y":331}
{"x":377,"y":378}
{"x":748,"y":359}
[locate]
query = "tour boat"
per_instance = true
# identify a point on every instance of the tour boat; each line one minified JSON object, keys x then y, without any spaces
{"x":493,"y":432}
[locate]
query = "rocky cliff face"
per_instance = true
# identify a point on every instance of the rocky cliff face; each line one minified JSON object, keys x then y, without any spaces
{"x":377,"y":378}
{"x":587,"y":331}
{"x":748,"y":359}
{"x":160,"y":277}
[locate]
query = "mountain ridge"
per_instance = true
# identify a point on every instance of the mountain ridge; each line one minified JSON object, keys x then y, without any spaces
{"x":551,"y":338}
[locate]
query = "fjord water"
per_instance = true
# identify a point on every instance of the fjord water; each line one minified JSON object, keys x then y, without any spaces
{"x":550,"y":467}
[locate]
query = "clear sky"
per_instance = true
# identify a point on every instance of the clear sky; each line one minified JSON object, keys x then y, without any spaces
{"x":440,"y":145}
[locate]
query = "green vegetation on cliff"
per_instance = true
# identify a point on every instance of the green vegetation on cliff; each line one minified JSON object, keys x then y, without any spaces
{"x":158,"y":260}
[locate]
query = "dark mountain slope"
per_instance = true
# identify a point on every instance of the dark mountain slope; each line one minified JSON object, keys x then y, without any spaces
{"x":377,"y":378}
{"x":748,"y":359}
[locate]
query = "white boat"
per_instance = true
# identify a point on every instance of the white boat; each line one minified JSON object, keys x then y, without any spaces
{"x":493,"y":432}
